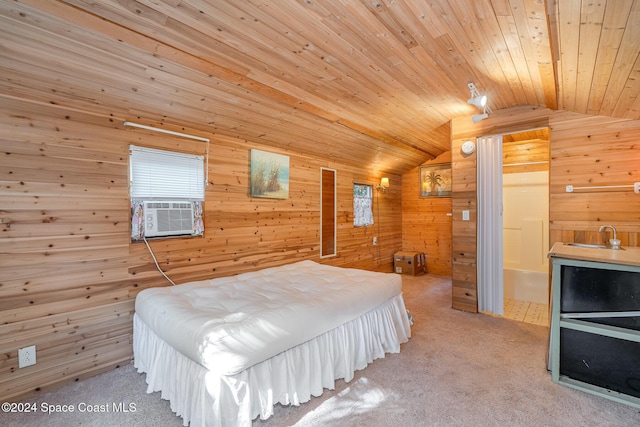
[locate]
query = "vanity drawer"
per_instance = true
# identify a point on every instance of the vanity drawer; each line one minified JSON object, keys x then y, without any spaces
{"x":592,"y":290}
{"x":604,"y":361}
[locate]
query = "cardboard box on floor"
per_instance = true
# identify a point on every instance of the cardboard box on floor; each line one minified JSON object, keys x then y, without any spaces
{"x":409,"y":262}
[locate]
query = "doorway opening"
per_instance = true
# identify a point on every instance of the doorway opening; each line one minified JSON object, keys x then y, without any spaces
{"x":525,"y":167}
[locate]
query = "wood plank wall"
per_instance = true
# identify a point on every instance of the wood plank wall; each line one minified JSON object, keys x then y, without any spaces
{"x":68,"y":272}
{"x":584,"y":151}
{"x":426,"y":223}
{"x":594,"y":151}
{"x":525,"y":153}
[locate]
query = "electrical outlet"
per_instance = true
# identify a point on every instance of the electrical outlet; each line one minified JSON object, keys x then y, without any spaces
{"x":26,"y":356}
{"x":375,"y":241}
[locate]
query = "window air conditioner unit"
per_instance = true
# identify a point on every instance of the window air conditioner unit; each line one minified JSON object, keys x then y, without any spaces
{"x":168,"y":218}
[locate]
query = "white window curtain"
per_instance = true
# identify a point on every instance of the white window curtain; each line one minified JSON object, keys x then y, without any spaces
{"x":490,"y":243}
{"x":161,"y":174}
{"x":362,"y":205}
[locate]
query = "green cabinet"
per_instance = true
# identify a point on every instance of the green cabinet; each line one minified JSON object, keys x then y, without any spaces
{"x":595,"y":328}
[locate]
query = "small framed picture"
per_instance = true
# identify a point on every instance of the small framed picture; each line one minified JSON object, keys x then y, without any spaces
{"x":435,"y":180}
{"x":269,"y":175}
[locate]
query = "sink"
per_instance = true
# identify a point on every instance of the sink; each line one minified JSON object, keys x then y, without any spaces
{"x":587,"y":245}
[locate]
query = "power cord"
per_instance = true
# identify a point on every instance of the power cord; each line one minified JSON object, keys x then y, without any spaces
{"x":156,"y":262}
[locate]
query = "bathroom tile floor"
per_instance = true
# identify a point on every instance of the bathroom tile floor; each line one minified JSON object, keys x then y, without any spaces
{"x":526,"y":311}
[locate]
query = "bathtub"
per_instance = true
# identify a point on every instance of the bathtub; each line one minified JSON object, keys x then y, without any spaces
{"x":524,"y":285}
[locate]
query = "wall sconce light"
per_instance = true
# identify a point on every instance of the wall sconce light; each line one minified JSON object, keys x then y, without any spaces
{"x":479,"y":101}
{"x":384,"y":184}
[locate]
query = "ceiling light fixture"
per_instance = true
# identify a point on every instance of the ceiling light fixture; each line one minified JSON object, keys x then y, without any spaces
{"x":479,"y":101}
{"x":477,"y":117}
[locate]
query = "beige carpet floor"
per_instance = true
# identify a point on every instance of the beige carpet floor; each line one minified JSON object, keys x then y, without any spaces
{"x":458,"y":369}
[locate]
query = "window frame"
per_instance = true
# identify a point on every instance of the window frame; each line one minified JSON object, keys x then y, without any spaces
{"x":165,"y":175}
{"x":328,"y":202}
{"x":356,"y":209}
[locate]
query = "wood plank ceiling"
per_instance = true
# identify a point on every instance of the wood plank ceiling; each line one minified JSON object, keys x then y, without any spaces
{"x":363,"y":82}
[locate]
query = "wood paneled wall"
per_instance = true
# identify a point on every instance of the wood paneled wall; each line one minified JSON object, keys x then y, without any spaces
{"x":426,"y":222}
{"x":525,"y":154}
{"x":68,"y":271}
{"x":584,"y":151}
{"x":595,"y":151}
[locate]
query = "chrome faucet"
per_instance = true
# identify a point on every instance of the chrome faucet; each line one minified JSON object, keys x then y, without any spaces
{"x":604,"y":227}
{"x":615,"y":243}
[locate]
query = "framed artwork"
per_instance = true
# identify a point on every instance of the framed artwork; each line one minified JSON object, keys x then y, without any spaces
{"x":435,"y":180}
{"x":269,"y":175}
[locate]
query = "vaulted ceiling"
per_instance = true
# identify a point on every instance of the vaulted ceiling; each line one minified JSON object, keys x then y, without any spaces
{"x":367,"y":82}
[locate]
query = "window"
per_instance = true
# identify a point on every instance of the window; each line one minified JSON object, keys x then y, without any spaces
{"x":161,"y":174}
{"x":362,"y":205}
{"x":167,"y":190}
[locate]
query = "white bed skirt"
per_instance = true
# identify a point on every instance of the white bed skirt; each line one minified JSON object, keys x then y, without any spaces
{"x":203,"y":398}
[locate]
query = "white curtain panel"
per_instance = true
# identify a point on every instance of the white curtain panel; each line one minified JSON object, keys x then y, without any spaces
{"x":490,"y":250}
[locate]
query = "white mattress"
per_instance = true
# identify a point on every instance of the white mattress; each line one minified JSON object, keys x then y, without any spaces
{"x":229,"y":324}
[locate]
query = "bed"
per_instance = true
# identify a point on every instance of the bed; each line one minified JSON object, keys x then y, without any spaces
{"x":225,"y":351}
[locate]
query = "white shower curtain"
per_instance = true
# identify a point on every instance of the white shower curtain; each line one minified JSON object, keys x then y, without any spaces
{"x":490,"y":252}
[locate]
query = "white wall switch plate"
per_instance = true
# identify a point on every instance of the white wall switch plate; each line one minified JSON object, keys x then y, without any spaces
{"x":26,"y":356}
{"x":375,"y":241}
{"x":465,"y":215}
